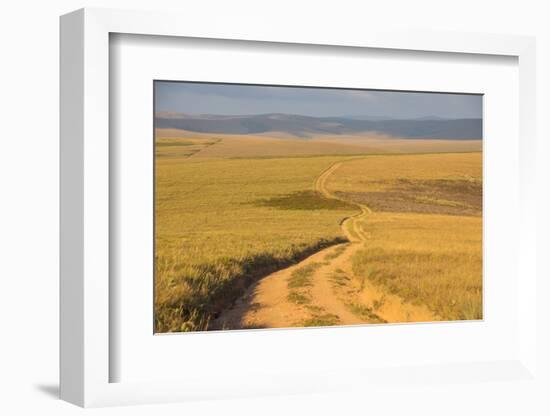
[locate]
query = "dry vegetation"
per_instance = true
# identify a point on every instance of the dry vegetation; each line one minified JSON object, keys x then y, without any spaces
{"x":425,"y":234}
{"x":222,"y":224}
{"x":230,"y":211}
{"x":275,"y":145}
{"x":181,"y":148}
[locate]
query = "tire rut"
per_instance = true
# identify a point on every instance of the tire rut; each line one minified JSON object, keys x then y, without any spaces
{"x":333,"y":294}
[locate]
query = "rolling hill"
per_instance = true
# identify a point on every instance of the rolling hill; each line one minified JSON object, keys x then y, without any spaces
{"x":306,"y":126}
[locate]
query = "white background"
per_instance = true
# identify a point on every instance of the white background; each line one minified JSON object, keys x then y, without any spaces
{"x":29,"y":208}
{"x":137,"y":60}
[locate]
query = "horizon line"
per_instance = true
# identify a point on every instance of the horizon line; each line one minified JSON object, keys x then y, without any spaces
{"x":347,"y":116}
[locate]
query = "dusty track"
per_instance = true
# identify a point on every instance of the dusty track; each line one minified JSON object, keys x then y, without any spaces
{"x":352,"y":226}
{"x":331,"y":295}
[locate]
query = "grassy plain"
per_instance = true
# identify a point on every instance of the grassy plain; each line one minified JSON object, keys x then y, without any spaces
{"x":281,"y":145}
{"x":223,"y":223}
{"x":425,"y":231}
{"x":231,"y":210}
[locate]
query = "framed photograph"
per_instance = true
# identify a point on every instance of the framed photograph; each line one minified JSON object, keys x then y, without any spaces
{"x":285,"y":207}
{"x":274,"y":212}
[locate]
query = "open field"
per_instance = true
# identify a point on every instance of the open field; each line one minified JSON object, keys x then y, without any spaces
{"x":432,"y":260}
{"x":274,"y":144}
{"x":326,"y":235}
{"x":425,"y":231}
{"x":221,"y":224}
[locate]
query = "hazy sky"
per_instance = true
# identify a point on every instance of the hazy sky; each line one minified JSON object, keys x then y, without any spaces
{"x":228,"y":99}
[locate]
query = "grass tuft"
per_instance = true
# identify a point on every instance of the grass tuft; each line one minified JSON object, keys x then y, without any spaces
{"x":364,"y":312}
{"x":337,"y":252}
{"x":327,"y":319}
{"x":298,"y":298}
{"x":302,"y":277}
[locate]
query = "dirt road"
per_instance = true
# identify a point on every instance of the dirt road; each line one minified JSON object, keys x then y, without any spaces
{"x":322,"y":289}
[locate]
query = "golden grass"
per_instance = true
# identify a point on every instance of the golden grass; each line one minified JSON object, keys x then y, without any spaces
{"x":275,"y":144}
{"x":377,"y":173}
{"x":230,"y":211}
{"x":391,"y":145}
{"x":216,"y":232}
{"x":251,"y":147}
{"x":178,"y":147}
{"x":434,"y":260}
{"x":424,"y":257}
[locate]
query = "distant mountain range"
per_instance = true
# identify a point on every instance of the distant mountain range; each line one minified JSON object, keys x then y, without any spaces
{"x":305,"y":126}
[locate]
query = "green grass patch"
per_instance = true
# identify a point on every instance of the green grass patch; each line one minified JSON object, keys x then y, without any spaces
{"x":364,"y":312}
{"x":304,"y":200}
{"x":314,"y":309}
{"x":335,"y":253}
{"x":339,"y":279}
{"x":327,"y":319}
{"x":298,"y":298}
{"x":302,"y":277}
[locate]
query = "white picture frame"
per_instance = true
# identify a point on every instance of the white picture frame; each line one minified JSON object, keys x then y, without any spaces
{"x":85,"y":219}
